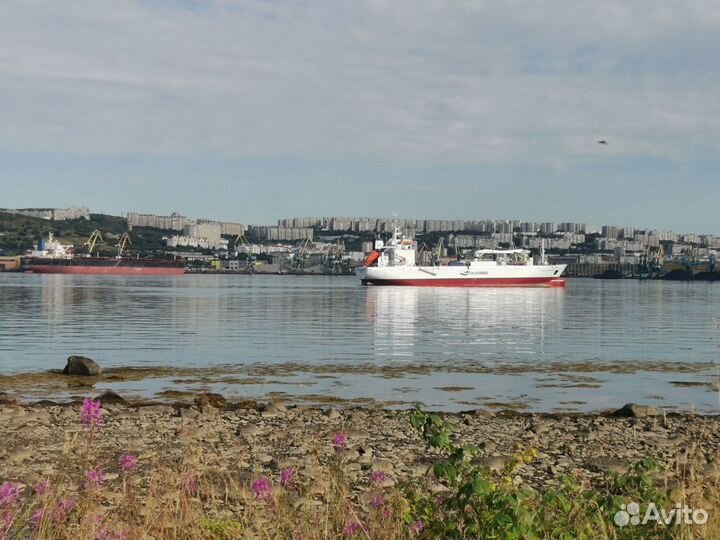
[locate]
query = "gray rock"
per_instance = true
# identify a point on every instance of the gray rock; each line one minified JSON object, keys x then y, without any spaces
{"x":608,"y":464}
{"x":494,"y":463}
{"x":631,"y":410}
{"x":210,"y":398}
{"x":384,"y":465}
{"x":357,"y":434}
{"x":82,"y":366}
{"x":188,"y":413}
{"x":332,"y":414}
{"x":249,"y":430}
{"x":21,"y":454}
{"x":6,"y":399}
{"x":276,"y":406}
{"x":110,"y":397}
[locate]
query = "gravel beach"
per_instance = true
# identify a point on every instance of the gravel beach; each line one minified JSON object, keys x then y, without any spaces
{"x":250,"y":439}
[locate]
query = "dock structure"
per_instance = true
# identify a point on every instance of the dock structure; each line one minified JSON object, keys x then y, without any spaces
{"x":9,"y":264}
{"x":594,"y":269}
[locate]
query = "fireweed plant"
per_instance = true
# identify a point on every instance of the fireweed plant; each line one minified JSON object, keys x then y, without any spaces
{"x":125,"y":497}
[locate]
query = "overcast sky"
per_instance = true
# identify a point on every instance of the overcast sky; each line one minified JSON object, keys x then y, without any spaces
{"x":254,"y":110}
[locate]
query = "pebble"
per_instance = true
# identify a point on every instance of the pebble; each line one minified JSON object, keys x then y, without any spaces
{"x":379,"y":440}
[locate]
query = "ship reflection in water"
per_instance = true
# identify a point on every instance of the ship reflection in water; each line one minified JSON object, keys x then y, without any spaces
{"x":462,"y":324}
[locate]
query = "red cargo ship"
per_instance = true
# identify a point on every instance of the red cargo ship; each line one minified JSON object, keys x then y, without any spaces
{"x":56,"y":258}
{"x":104,"y":265}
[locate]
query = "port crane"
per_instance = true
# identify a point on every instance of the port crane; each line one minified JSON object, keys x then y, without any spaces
{"x":242,"y":245}
{"x":122,"y":242}
{"x":299,"y":254}
{"x":336,"y":257}
{"x":651,"y":262}
{"x":423,"y":253}
{"x":95,"y":237}
{"x":436,"y":253}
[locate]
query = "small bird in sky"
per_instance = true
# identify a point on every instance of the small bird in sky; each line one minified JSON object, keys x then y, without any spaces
{"x":602,"y":141}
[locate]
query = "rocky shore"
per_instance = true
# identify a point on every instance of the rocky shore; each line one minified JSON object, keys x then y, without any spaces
{"x":251,"y":439}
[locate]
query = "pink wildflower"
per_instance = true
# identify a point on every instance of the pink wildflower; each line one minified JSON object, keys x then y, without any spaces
{"x":90,"y":415}
{"x":128,"y":463}
{"x":93,"y":519}
{"x":261,"y":488}
{"x":9,"y":493}
{"x":66,"y":505}
{"x":189,"y":485}
{"x":387,"y":513}
{"x":286,"y":476}
{"x":339,"y":441}
{"x":352,"y":528}
{"x":37,"y":517}
{"x":377,"y":501}
{"x":94,"y":478}
{"x":63,"y":508}
{"x":42,"y":487}
{"x":378,"y":477}
{"x":416,"y":527}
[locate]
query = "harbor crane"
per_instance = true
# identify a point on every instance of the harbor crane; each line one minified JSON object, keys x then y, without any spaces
{"x":95,"y":237}
{"x":122,"y":242}
{"x":651,"y":262}
{"x":299,"y":254}
{"x":243,"y":246}
{"x":437,"y":252}
{"x":337,"y":256}
{"x":423,"y":253}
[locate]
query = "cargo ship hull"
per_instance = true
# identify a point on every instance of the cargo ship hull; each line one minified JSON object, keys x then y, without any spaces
{"x":135,"y":267}
{"x":448,"y":276}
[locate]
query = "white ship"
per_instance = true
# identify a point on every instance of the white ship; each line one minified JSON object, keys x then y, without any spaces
{"x":394,"y":264}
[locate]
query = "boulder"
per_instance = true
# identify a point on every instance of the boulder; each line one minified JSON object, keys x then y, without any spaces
{"x":210,"y":398}
{"x":80,"y":365}
{"x":7,"y":399}
{"x":630,"y":410}
{"x":109,"y":397}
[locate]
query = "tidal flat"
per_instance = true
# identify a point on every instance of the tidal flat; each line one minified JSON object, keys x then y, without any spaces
{"x":450,"y":386}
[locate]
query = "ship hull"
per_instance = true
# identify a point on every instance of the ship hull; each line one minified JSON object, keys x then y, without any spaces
{"x":448,"y":276}
{"x":497,"y":282}
{"x":106,"y":267}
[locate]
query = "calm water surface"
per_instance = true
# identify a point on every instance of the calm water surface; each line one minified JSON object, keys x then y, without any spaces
{"x":593,"y":345}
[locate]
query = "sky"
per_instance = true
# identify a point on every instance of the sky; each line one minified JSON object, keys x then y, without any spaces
{"x":254,"y":110}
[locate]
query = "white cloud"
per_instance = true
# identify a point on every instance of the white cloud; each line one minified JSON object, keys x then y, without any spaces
{"x":439,"y":82}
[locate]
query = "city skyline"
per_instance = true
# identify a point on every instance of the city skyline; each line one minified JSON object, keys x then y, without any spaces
{"x":254,"y":111}
{"x":178,"y":222}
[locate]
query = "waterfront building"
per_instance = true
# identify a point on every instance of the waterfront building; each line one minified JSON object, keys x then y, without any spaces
{"x":263,"y":232}
{"x":209,"y":230}
{"x":173,"y":222}
{"x":187,"y":241}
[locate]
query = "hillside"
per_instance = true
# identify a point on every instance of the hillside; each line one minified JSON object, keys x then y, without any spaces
{"x":20,"y":233}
